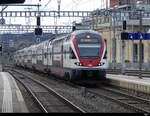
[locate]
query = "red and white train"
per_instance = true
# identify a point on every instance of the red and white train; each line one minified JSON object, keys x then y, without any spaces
{"x":78,"y":55}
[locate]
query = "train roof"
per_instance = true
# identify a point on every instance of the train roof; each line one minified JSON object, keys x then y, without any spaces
{"x":58,"y":38}
{"x":85,"y":31}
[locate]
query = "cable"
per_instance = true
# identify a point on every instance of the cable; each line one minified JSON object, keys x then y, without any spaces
{"x":67,"y":5}
{"x":76,"y":2}
{"x":46,"y":4}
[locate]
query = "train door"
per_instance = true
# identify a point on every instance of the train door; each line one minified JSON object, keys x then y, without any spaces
{"x":45,"y":57}
{"x":45,"y":54}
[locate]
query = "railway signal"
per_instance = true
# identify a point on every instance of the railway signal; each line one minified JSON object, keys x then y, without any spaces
{"x":0,"y":47}
{"x":73,"y":28}
{"x":38,"y":21}
{"x":124,"y":36}
{"x":124,"y":25}
{"x":38,"y":31}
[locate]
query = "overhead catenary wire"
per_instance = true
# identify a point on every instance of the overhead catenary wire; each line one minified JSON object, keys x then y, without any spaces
{"x":47,"y":4}
{"x":76,"y":2}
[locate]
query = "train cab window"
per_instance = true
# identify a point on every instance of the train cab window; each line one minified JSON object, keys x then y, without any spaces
{"x":105,"y":55}
{"x":106,"y":43}
{"x":89,"y":45}
{"x":72,"y":55}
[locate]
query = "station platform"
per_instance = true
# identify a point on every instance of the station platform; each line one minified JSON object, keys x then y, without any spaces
{"x":130,"y":82}
{"x":11,"y":100}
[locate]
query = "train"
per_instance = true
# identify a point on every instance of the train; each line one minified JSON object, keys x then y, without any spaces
{"x":79,"y":55}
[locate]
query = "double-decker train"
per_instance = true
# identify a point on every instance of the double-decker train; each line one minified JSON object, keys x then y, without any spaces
{"x":78,"y":55}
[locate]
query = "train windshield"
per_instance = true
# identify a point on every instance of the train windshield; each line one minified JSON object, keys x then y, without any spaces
{"x":89,"y":45}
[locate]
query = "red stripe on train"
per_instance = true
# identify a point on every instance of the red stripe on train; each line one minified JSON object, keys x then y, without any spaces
{"x":76,"y":46}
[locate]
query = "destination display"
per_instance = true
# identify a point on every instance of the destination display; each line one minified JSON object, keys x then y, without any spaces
{"x":88,"y":40}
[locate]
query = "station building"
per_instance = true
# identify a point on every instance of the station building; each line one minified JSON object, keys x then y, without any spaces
{"x":111,"y":31}
{"x":114,"y":3}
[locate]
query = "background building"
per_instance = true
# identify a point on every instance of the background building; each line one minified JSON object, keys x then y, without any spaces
{"x":114,"y":3}
{"x":111,"y":27}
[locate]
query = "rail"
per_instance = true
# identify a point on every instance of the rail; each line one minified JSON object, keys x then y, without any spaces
{"x":125,"y":99}
{"x":65,"y":101}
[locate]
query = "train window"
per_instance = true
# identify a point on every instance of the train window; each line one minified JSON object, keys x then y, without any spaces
{"x":89,"y":53}
{"x":135,"y":52}
{"x":54,"y":43}
{"x":68,"y":37}
{"x":89,"y":45}
{"x":105,"y":55}
{"x":45,"y":55}
{"x":72,"y":55}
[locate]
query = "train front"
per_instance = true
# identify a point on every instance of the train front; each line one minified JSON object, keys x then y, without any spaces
{"x":90,"y":51}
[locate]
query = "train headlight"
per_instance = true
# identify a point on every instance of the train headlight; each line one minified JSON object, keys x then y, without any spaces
{"x":101,"y":64}
{"x":78,"y":63}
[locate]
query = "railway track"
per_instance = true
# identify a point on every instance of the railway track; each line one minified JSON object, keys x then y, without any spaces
{"x":133,"y":103}
{"x":47,"y":98}
{"x":127,"y":100}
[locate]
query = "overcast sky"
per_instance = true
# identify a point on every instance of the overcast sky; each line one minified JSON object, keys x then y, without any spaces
{"x":76,"y":5}
{"x":70,"y":4}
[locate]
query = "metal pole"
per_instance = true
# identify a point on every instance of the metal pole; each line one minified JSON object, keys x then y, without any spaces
{"x":107,"y":4}
{"x":96,"y":20}
{"x":93,"y":22}
{"x":2,"y":65}
{"x":140,"y":49}
{"x":114,"y":41}
{"x":38,"y":37}
{"x":123,"y":57}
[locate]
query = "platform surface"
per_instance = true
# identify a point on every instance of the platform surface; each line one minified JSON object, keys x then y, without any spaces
{"x":11,"y":100}
{"x":134,"y":79}
{"x":130,"y":82}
